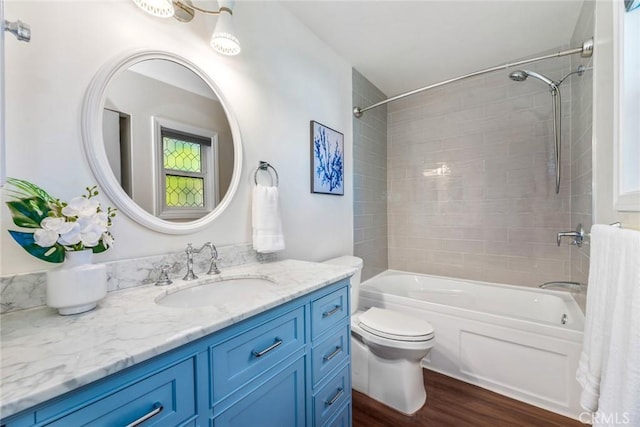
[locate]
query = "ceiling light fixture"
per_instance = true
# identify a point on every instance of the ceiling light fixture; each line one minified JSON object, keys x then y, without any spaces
{"x":159,"y":8}
{"x":223,"y":39}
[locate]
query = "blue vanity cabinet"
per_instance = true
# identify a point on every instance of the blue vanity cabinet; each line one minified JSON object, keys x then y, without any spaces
{"x":277,"y":401}
{"x":331,"y":359}
{"x":258,"y":375}
{"x":159,"y":392}
{"x":292,"y":370}
{"x":288,"y":366}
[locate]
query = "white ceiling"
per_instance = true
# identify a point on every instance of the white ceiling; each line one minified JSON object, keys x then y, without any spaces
{"x":401,"y":45}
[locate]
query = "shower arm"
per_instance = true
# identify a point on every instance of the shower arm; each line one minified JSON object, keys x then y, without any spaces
{"x":585,"y":51}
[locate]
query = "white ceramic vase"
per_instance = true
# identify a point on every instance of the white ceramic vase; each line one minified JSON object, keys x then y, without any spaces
{"x":77,"y":285}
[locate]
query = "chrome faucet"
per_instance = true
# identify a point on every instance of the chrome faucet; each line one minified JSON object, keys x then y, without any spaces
{"x":574,"y":286}
{"x":213,"y":266}
{"x":577,"y":235}
{"x":190,"y":251}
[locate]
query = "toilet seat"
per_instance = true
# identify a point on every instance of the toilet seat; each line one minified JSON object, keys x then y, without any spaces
{"x":395,"y":326}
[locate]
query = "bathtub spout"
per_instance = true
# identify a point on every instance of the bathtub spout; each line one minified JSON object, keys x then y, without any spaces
{"x":574,"y":286}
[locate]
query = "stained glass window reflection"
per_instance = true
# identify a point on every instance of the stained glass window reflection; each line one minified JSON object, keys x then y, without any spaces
{"x":184,"y":169}
{"x":181,"y":155}
{"x":183,"y":191}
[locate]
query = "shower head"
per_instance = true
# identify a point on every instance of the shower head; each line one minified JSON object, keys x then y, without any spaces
{"x":518,"y":76}
{"x":521,"y":75}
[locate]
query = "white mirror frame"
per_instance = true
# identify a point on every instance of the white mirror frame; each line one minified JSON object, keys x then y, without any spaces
{"x":97,"y":157}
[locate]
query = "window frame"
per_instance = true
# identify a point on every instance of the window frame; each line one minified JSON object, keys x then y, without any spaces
{"x":209,"y":155}
{"x":624,"y":112}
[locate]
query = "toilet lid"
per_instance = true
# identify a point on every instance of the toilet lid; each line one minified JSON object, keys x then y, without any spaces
{"x":394,"y":325}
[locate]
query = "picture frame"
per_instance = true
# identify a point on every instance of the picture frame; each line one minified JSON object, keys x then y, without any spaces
{"x":327,"y":160}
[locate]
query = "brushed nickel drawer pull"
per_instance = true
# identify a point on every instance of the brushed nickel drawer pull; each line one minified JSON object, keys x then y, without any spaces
{"x":334,"y":398}
{"x":273,"y":346}
{"x":332,"y":355}
{"x":157,"y":408}
{"x":332,"y":312}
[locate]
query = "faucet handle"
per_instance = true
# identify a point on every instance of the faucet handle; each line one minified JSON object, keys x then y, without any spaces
{"x":163,"y":279}
{"x":578,"y":236}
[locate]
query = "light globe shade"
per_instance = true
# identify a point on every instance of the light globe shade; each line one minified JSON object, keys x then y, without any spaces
{"x":223,"y":39}
{"x":160,"y":8}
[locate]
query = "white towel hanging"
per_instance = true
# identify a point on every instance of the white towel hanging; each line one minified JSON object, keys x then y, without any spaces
{"x":265,"y":218}
{"x":609,"y":368}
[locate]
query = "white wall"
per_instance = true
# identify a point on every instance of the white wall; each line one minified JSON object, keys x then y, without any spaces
{"x":283,"y":78}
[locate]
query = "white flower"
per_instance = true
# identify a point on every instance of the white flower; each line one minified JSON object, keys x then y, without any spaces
{"x":81,"y":207}
{"x":59,"y":225}
{"x":100,"y":218}
{"x":91,"y":235}
{"x":107,"y":240}
{"x":71,"y":237}
{"x":45,"y":238}
{"x":85,"y":231}
{"x":51,"y":229}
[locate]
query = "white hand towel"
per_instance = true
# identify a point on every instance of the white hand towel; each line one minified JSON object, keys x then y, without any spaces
{"x":609,"y":370}
{"x":265,"y":218}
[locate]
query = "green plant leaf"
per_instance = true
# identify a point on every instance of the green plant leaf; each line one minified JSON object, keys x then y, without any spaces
{"x":27,"y":189}
{"x":28,"y":213}
{"x":100,"y":247}
{"x":53,"y":254}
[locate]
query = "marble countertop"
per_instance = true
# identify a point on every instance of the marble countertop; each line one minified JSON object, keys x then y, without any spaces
{"x":43,"y":354}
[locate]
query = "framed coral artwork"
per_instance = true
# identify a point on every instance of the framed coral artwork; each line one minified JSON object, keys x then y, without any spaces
{"x":327,"y":160}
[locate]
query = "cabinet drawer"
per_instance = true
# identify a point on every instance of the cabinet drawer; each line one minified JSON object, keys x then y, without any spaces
{"x":279,"y":402}
{"x":329,"y":310}
{"x":167,"y":397}
{"x":329,"y":354}
{"x":240,"y":359}
{"x":332,"y":396}
{"x":343,"y":419}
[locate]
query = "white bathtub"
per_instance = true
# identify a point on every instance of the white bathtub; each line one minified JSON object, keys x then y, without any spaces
{"x":521,"y":342}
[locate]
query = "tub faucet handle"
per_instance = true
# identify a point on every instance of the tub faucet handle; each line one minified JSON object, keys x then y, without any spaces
{"x":578,"y":236}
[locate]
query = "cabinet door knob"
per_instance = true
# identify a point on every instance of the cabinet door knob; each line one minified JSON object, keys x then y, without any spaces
{"x":157,"y":408}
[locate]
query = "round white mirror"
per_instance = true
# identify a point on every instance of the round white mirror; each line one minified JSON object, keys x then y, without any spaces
{"x":162,"y":141}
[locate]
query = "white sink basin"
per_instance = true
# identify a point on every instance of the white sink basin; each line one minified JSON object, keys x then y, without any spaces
{"x":214,"y":292}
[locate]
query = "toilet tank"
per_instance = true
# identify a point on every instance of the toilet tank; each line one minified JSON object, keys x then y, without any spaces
{"x":355,"y":262}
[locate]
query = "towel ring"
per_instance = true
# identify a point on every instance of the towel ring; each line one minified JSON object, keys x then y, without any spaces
{"x":264,"y":166}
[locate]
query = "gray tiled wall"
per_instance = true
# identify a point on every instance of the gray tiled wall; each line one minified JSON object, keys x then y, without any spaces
{"x":471,"y":180}
{"x":581,"y":157}
{"x":370,"y":179}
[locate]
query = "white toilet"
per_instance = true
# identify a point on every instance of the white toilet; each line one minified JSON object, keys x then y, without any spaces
{"x":386,"y":350}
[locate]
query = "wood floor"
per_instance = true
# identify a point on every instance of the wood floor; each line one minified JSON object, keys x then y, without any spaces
{"x":455,"y":403}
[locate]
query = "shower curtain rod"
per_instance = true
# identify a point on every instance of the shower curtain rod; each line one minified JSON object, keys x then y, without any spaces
{"x":585,"y":51}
